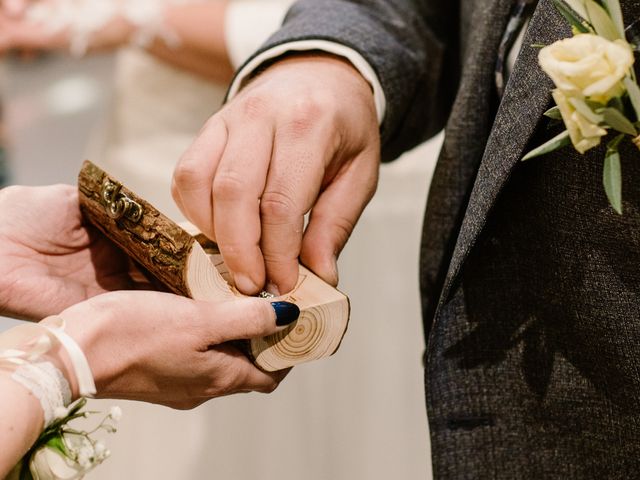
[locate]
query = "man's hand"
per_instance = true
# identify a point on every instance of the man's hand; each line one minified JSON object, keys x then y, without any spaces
{"x":162,"y":348}
{"x":49,"y":259}
{"x":302,"y":136}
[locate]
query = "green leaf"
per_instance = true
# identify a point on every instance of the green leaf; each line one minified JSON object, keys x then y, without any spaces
{"x":581,"y":106}
{"x":57,"y":444}
{"x":615,"y":12}
{"x":25,"y":473}
{"x":601,"y":21}
{"x":634,"y":94}
{"x":559,"y":141}
{"x":612,"y":176}
{"x":73,"y":409}
{"x":615,"y":102}
{"x":618,"y":121}
{"x":553,"y":113}
{"x":572,"y":16}
{"x":578,"y":7}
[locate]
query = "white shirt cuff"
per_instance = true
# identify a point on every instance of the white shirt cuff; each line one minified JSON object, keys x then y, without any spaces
{"x":305,"y":45}
{"x":248,"y":24}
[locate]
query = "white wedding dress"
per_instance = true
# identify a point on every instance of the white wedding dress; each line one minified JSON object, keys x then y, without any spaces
{"x":156,"y":113}
{"x":358,"y":415}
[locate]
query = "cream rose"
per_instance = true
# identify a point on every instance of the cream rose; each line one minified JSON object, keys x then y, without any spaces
{"x":588,"y":65}
{"x":584,"y":134}
{"x":81,"y":457}
{"x":49,"y":464}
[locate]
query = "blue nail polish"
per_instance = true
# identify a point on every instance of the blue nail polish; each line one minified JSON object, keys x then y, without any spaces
{"x":286,"y":313}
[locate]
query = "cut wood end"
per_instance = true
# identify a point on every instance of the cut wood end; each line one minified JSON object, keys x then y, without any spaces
{"x":323,"y":322}
{"x":191,"y":265}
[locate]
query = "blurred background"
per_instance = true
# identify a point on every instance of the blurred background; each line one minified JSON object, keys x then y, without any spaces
{"x":357,"y":415}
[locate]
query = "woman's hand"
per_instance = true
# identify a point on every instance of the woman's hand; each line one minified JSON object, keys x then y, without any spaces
{"x":162,"y":348}
{"x":49,"y":258}
{"x":19,"y":32}
{"x":195,"y":31}
{"x":153,"y":347}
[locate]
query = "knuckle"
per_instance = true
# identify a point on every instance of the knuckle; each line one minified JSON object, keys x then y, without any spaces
{"x":229,"y":185}
{"x":304,"y":113}
{"x":226,"y":384}
{"x":253,"y":320}
{"x":269,"y":387}
{"x":280,"y":262}
{"x":232,"y":251}
{"x":186,"y":173}
{"x":277,"y":205}
{"x":344,"y":227}
{"x":253,"y":106}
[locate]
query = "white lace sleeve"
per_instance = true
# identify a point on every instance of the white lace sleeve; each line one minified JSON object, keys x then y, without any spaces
{"x":83,"y":18}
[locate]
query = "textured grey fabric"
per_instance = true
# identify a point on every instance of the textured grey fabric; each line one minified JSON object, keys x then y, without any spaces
{"x":405,"y":42}
{"x":530,"y":281}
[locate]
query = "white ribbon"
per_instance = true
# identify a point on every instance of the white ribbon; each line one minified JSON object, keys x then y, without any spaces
{"x":38,"y":346}
{"x":86,"y":384}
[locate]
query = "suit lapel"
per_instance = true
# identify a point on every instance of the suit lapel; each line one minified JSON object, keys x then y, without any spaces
{"x":526,"y":97}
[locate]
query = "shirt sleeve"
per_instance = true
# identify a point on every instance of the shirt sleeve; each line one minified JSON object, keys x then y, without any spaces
{"x":306,"y":45}
{"x":411,"y":50}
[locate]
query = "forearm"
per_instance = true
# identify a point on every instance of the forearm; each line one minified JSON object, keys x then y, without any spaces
{"x":21,"y":421}
{"x":42,"y":369}
{"x":201,"y":47}
{"x":188,"y":35}
{"x":198,"y":29}
{"x":29,"y":385}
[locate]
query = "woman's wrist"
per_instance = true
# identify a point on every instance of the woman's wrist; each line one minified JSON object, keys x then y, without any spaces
{"x":87,"y":324}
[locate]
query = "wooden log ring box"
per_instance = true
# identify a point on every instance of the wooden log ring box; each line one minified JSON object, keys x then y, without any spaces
{"x":189,"y":264}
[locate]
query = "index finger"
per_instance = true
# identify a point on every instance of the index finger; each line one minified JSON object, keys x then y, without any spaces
{"x":243,"y":376}
{"x":237,"y":187}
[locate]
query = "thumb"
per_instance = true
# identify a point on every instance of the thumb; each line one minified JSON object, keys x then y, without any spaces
{"x":247,"y":318}
{"x":335,"y":215}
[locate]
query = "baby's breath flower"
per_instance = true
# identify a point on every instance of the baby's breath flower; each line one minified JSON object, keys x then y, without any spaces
{"x":115,"y":413}
{"x":74,"y":452}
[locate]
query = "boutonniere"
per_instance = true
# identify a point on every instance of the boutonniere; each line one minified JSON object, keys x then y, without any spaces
{"x":63,"y":452}
{"x":596,"y":88}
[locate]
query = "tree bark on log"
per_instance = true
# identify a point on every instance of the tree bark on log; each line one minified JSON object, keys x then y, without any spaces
{"x":154,"y":241}
{"x":189,"y":264}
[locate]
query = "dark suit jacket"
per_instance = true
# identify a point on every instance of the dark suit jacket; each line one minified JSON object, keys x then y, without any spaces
{"x":530,"y":282}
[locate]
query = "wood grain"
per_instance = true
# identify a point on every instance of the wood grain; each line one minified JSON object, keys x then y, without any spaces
{"x":191,"y":265}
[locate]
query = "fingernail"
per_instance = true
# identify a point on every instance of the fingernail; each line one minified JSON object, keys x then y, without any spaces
{"x":244,"y":283}
{"x":286,"y":313}
{"x":272,"y":288}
